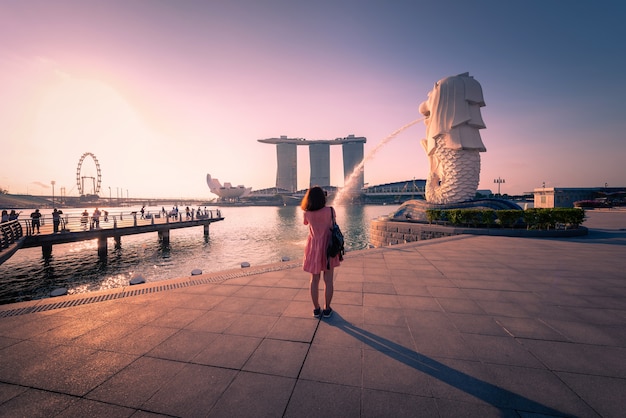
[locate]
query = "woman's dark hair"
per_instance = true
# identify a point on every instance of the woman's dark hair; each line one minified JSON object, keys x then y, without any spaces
{"x":314,"y":199}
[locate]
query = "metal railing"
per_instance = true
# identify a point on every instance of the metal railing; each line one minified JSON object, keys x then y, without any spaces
{"x":10,"y":233}
{"x":107,"y":220}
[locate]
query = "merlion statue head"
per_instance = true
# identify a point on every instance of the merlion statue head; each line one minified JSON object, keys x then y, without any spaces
{"x":453,"y":143}
{"x":453,"y":113}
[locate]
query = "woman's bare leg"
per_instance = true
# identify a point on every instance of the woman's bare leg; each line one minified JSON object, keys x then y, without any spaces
{"x":328,"y":287}
{"x":314,"y":286}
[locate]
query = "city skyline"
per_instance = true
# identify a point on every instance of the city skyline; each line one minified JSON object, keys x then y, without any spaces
{"x":165,"y":92}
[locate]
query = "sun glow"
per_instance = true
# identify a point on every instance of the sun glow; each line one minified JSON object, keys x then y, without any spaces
{"x":81,"y":115}
{"x":87,"y":110}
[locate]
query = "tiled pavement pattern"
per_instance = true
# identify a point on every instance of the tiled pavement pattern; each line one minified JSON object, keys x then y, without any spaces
{"x":465,"y":326}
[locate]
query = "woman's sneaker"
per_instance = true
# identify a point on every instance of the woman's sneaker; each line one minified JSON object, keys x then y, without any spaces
{"x":328,"y":312}
{"x":317,"y":312}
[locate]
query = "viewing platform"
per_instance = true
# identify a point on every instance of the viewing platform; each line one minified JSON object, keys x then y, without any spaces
{"x":74,"y":228}
{"x":470,"y":325}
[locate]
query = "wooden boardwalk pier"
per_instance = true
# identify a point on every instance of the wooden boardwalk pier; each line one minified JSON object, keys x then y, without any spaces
{"x":77,"y":228}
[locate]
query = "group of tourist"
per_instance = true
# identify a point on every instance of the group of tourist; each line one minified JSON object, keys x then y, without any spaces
{"x":58,"y":223}
{"x":95,"y":219}
{"x":190,"y":214}
{"x":13,"y":215}
{"x":56,"y":220}
{"x":199,"y":214}
{"x":6,"y":216}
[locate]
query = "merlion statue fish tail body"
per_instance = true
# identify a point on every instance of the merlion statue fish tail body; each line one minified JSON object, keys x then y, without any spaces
{"x":453,"y":140}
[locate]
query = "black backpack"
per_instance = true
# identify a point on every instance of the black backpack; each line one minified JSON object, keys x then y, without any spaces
{"x":335,"y":246}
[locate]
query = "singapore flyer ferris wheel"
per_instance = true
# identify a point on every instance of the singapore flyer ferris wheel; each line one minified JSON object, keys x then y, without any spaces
{"x":94,"y":180}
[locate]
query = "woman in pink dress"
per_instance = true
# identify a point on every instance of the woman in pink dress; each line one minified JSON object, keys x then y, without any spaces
{"x":319,"y":218}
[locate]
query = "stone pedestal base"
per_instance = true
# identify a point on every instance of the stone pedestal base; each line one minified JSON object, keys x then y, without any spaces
{"x":415,"y":210}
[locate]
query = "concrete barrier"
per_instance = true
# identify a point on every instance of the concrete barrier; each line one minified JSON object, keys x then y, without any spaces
{"x":384,"y":232}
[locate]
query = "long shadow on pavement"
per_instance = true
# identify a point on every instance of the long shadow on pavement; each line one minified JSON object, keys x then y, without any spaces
{"x":487,"y":392}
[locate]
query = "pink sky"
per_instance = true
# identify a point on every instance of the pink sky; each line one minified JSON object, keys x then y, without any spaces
{"x":164,"y":92}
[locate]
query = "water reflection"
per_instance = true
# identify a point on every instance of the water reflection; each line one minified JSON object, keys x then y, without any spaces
{"x":258,"y":235}
{"x":356,"y":232}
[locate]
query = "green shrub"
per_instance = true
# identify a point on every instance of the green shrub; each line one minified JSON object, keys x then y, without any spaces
{"x":535,"y":218}
{"x":436,"y":215}
{"x":475,"y":217}
{"x":454,"y":216}
{"x":509,"y":218}
{"x":568,"y":217}
{"x":538,"y":218}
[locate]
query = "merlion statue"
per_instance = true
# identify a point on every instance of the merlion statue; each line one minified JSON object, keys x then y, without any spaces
{"x":453,"y":140}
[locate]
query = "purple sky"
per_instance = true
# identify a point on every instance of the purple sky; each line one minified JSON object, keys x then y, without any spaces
{"x":164,"y":92}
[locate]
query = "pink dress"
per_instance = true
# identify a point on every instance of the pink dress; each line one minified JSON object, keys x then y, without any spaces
{"x":319,"y":222}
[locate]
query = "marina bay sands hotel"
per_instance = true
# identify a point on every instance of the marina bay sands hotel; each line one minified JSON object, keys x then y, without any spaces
{"x":319,"y":157}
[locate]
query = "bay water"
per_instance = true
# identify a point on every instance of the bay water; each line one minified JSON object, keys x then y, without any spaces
{"x":254,"y":234}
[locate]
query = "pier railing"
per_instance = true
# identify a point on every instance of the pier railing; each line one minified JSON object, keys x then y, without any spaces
{"x":78,"y":222}
{"x":10,"y":233}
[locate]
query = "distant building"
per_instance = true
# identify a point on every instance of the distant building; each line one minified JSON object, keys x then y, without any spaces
{"x":564,"y":197}
{"x":319,"y":160}
{"x":227,"y":191}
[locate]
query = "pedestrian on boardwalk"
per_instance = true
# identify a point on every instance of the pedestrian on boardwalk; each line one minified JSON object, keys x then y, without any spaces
{"x":143,"y":211}
{"x":36,"y":219}
{"x":14,"y":215}
{"x":96,"y":218}
{"x":5,"y":216}
{"x":84,"y":218}
{"x":56,"y":220}
{"x":319,"y":218}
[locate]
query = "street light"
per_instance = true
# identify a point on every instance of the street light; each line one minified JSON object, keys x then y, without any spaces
{"x":499,"y":181}
{"x":53,"y":183}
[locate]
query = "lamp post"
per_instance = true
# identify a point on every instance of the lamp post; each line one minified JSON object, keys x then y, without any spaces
{"x":499,"y":181}
{"x":110,"y":199}
{"x":52,"y":183}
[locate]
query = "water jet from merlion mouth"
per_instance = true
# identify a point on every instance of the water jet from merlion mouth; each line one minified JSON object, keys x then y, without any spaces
{"x":348,"y":184}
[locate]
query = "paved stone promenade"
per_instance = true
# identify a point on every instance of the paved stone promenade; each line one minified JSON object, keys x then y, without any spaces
{"x":464,"y":326}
